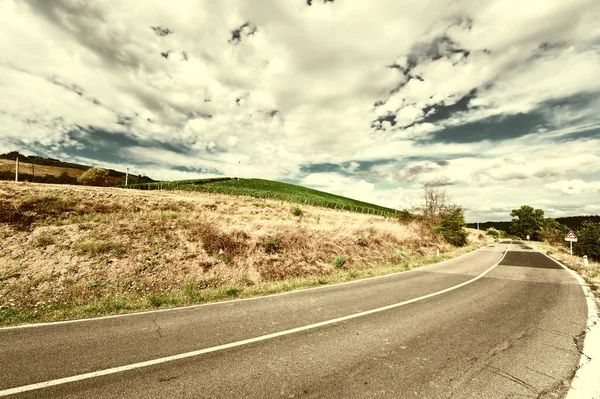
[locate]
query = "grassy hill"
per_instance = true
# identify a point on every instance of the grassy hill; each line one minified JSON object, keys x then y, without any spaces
{"x":259,"y":188}
{"x":49,"y":170}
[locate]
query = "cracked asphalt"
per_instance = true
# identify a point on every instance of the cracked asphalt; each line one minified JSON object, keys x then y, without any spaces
{"x":516,"y":332}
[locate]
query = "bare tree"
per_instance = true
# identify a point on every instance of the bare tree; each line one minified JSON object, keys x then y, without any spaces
{"x":435,"y":202}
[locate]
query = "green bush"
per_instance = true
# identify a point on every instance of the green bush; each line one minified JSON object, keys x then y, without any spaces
{"x":94,"y":177}
{"x":296,"y":211}
{"x":493,"y":232}
{"x":338,"y":261}
{"x":452,"y":226}
{"x":588,"y":240}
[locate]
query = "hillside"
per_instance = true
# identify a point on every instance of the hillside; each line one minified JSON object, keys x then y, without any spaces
{"x":259,"y":188}
{"x":75,"y":251}
{"x":49,"y":170}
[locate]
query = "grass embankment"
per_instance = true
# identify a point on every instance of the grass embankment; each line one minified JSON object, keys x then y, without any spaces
{"x":76,"y":252}
{"x":591,"y":273}
{"x":259,"y":188}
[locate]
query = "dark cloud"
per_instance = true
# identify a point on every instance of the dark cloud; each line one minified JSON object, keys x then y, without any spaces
{"x":273,"y":112}
{"x":377,"y":123}
{"x":161,"y":31}
{"x":108,"y":146}
{"x":323,"y":168}
{"x":236,"y":35}
{"x":71,"y":87}
{"x":201,"y":115}
{"x":502,"y":127}
{"x":165,"y":54}
{"x":198,"y":170}
{"x":184,"y":56}
{"x":438,"y":112}
{"x":494,"y":128}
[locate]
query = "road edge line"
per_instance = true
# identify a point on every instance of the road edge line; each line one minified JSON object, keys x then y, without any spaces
{"x":144,"y":312}
{"x":114,"y":370}
{"x":584,"y":384}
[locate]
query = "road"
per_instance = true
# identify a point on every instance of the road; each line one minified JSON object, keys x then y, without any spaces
{"x":488,"y":324}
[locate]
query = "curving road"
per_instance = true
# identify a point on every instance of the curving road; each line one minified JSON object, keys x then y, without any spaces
{"x":504,"y":321}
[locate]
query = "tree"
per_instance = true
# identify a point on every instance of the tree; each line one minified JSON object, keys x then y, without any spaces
{"x":94,"y":177}
{"x":442,"y":216}
{"x":552,"y":231}
{"x":528,"y":222}
{"x":435,"y":203}
{"x":588,"y":240}
{"x":452,"y":226}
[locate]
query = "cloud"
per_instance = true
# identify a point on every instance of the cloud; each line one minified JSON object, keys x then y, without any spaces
{"x":572,"y":187}
{"x":380,"y":98}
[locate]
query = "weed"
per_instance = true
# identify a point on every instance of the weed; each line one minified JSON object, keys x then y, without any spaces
{"x":42,"y":240}
{"x":362,"y":240}
{"x":272,"y":244}
{"x":156,"y":301}
{"x":232,"y":291}
{"x":96,"y":247}
{"x":338,"y":261}
{"x":318,"y":219}
{"x":296,"y":211}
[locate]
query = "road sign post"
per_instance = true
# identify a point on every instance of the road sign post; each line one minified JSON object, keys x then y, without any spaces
{"x":571,"y":238}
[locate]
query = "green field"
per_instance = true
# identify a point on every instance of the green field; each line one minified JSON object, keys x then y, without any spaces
{"x":259,"y":188}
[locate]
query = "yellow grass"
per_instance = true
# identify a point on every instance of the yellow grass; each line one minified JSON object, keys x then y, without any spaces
{"x":7,"y":165}
{"x":73,"y":251}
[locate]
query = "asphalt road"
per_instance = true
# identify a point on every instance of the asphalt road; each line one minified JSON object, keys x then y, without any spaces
{"x":512,"y":332}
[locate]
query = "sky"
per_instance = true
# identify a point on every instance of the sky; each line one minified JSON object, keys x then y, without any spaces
{"x":496,"y":102}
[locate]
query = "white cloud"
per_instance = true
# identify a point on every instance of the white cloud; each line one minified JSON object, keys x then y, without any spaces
{"x":301,"y":90}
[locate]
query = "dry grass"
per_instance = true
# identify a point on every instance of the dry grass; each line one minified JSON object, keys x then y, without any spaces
{"x":591,"y":273}
{"x":7,"y":165}
{"x":71,"y":251}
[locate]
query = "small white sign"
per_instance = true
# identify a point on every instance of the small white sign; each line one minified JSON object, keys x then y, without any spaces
{"x":527,"y":237}
{"x":571,"y":237}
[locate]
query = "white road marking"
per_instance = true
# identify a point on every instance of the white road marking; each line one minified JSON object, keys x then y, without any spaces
{"x":180,"y":356}
{"x":224,"y":302}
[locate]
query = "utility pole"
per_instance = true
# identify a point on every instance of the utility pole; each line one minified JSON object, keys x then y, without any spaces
{"x":127,"y":176}
{"x":17,"y":170}
{"x":477,"y":219}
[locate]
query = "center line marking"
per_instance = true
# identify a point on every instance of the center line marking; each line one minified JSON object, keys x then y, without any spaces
{"x":114,"y":370}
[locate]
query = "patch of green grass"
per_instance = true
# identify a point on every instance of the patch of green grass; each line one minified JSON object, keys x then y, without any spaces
{"x":232,"y":291}
{"x":96,"y":246}
{"x":338,"y":261}
{"x":259,"y":188}
{"x":296,"y":211}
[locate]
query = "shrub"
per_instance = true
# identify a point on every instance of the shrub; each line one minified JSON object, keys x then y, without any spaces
{"x":94,"y":177}
{"x":452,"y":226}
{"x":493,"y":232}
{"x":338,"y":261}
{"x":296,"y":211}
{"x":362,"y":240}
{"x":42,"y":240}
{"x":224,"y":246}
{"x":96,"y":247}
{"x":232,"y":291}
{"x":588,"y":240}
{"x":272,"y":244}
